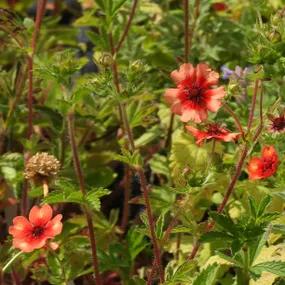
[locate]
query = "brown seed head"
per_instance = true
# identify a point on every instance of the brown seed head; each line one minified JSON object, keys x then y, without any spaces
{"x":41,"y":166}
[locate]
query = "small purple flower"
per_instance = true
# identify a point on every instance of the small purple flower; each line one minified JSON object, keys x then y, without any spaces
{"x":226,"y":72}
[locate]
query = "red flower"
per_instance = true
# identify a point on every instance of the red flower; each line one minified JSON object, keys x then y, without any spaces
{"x":219,"y":6}
{"x":34,"y":233}
{"x":213,"y":131}
{"x":264,"y":166}
{"x":278,"y":123}
{"x":194,"y":95}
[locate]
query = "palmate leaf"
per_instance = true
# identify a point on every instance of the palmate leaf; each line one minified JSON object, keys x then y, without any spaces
{"x":275,"y":267}
{"x":92,"y":198}
{"x":207,"y":275}
{"x":68,"y":193}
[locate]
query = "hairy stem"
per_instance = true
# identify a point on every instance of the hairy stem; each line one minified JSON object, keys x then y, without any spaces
{"x":128,"y":25}
{"x":139,"y":170}
{"x":81,"y":182}
{"x":186,"y":29}
{"x":127,"y":195}
{"x":253,"y":103}
{"x":236,"y":119}
{"x":227,"y":196}
{"x":41,"y":5}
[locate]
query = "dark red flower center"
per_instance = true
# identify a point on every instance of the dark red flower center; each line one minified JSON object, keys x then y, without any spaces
{"x":215,"y":130}
{"x":195,"y":94}
{"x":278,"y":123}
{"x":37,"y":231}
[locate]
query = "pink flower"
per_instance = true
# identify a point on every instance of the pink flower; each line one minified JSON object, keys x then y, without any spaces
{"x":196,"y":92}
{"x":33,"y":233}
{"x":264,"y":166}
{"x":213,"y":131}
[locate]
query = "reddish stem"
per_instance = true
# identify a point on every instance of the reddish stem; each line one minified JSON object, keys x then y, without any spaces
{"x":186,"y":29}
{"x":227,"y":196}
{"x":253,"y":103}
{"x":128,"y":25}
{"x":127,"y":194}
{"x":81,"y":182}
{"x":139,"y":170}
{"x":235,"y":117}
{"x":156,"y":250}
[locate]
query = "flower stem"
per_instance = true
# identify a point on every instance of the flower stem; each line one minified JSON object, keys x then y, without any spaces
{"x":11,"y":261}
{"x":139,"y":169}
{"x":229,"y":192}
{"x":253,"y":103}
{"x":236,"y":119}
{"x":41,"y":5}
{"x":80,"y":178}
{"x":239,"y":166}
{"x":127,"y":194}
{"x":128,"y":25}
{"x":45,"y":188}
{"x":186,"y":29}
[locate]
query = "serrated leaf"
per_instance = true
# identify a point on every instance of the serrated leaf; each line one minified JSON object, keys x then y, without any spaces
{"x":275,"y":267}
{"x":207,"y":275}
{"x":225,"y":223}
{"x":92,"y":198}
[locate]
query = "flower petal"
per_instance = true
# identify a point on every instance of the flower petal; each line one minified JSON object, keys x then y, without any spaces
{"x":193,"y":115}
{"x":39,"y":216}
{"x":199,"y":135}
{"x":269,"y":153}
{"x":54,"y":227}
{"x":171,"y":94}
{"x":176,"y":108}
{"x":21,"y":227}
{"x":184,"y":71}
{"x":23,"y":245}
{"x":254,"y":168}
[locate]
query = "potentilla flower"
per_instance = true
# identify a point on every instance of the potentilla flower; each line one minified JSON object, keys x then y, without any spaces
{"x":196,"y":92}
{"x":33,"y":233}
{"x":264,"y":166}
{"x":212,"y":131}
{"x":277,"y":124}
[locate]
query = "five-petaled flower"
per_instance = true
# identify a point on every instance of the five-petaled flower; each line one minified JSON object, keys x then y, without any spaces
{"x":277,"y":123}
{"x":212,"y":131}
{"x":33,"y":233}
{"x":264,"y":166}
{"x":196,"y":92}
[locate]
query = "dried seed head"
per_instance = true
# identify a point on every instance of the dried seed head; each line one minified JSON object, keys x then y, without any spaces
{"x":41,"y":166}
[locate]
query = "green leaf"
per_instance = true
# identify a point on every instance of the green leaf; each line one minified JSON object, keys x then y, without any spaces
{"x":148,"y":136}
{"x":133,"y":159}
{"x":136,"y":243}
{"x":92,"y":197}
{"x":118,"y":5}
{"x":275,"y":267}
{"x":180,"y":274}
{"x":256,"y":246}
{"x":216,"y":236}
{"x":160,"y":225}
{"x":207,"y":275}
{"x":225,"y":223}
{"x":263,"y":205}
